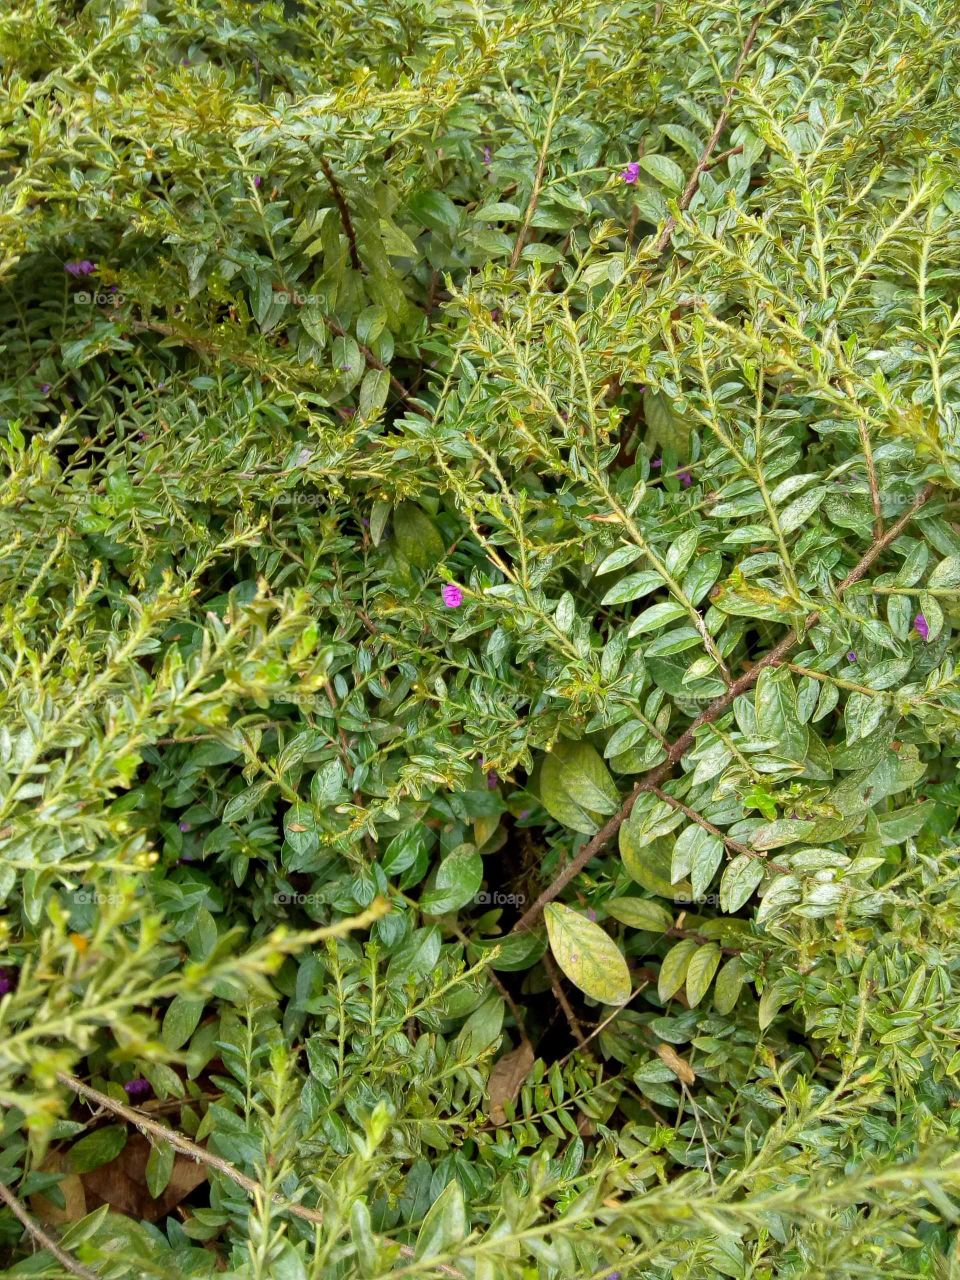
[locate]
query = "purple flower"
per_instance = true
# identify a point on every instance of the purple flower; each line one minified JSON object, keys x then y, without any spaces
{"x":656,"y":464}
{"x":631,"y":173}
{"x":184,"y":826}
{"x":8,"y":981}
{"x":487,"y":157}
{"x":452,"y":595}
{"x":524,"y":813}
{"x":492,"y":779}
{"x":258,"y":181}
{"x":590,"y":913}
{"x":83,"y":268}
{"x":686,"y":479}
{"x":44,"y":388}
{"x":137,"y":1088}
{"x":921,"y":626}
{"x":851,"y":656}
{"x":495,"y":314}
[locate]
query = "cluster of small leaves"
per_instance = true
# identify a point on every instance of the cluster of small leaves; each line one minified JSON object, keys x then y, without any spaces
{"x":479,"y":686}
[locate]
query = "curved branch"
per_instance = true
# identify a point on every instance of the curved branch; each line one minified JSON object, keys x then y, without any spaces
{"x":652,"y":780}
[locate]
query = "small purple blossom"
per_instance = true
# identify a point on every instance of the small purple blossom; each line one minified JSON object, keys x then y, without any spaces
{"x":492,"y":779}
{"x":8,"y":981}
{"x":524,"y":813}
{"x":184,"y":826}
{"x":851,"y":656}
{"x":83,"y":268}
{"x":495,"y":314}
{"x":44,"y":388}
{"x":656,"y":464}
{"x":365,"y":522}
{"x":590,"y":913}
{"x":631,"y":173}
{"x":452,"y":595}
{"x":258,"y":181}
{"x":921,"y":626}
{"x":686,"y":479}
{"x":137,"y":1088}
{"x":487,"y":157}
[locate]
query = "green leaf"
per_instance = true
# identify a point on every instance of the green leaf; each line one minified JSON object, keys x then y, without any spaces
{"x":458,"y":878}
{"x":180,"y":1021}
{"x":632,"y":587}
{"x":435,"y":210}
{"x":775,"y":700}
{"x":373,"y":392}
{"x":576,"y":787}
{"x":97,"y":1148}
{"x":498,"y":212}
{"x":639,"y":913}
{"x":946,"y":575}
{"x":648,"y":862}
{"x":666,"y":171}
{"x":445,"y":1224}
{"x":159,"y":1167}
{"x":417,"y":537}
{"x":729,"y":984}
{"x":301,"y":830}
{"x":587,"y":955}
{"x":700,"y":970}
{"x":673,"y":968}
{"x":738,"y":882}
{"x":481,"y":1030}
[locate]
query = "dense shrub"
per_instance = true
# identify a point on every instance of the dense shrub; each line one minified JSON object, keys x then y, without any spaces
{"x":479,"y":703}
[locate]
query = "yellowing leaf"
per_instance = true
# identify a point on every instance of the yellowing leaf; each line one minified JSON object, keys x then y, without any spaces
{"x":703,"y":965}
{"x":639,"y":913}
{"x":587,"y":955}
{"x":648,"y":862}
{"x":673,"y":970}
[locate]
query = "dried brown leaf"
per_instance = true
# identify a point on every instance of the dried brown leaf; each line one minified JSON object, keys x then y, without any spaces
{"x":506,"y":1080}
{"x":679,"y":1066}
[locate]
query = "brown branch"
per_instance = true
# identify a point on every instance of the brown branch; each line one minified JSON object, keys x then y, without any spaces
{"x":344,"y":214}
{"x":693,"y":182}
{"x":45,"y":1241}
{"x":556,"y":983}
{"x":701,"y":821}
{"x":192,"y":1149}
{"x":725,"y":155}
{"x":662,"y":771}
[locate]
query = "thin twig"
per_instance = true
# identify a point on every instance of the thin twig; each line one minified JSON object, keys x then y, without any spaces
{"x":192,"y":1149}
{"x":701,"y":821}
{"x":45,"y":1241}
{"x":693,"y":182}
{"x":713,"y":712}
{"x":556,"y":982}
{"x":538,"y":176}
{"x":606,"y":1022}
{"x":344,"y":213}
